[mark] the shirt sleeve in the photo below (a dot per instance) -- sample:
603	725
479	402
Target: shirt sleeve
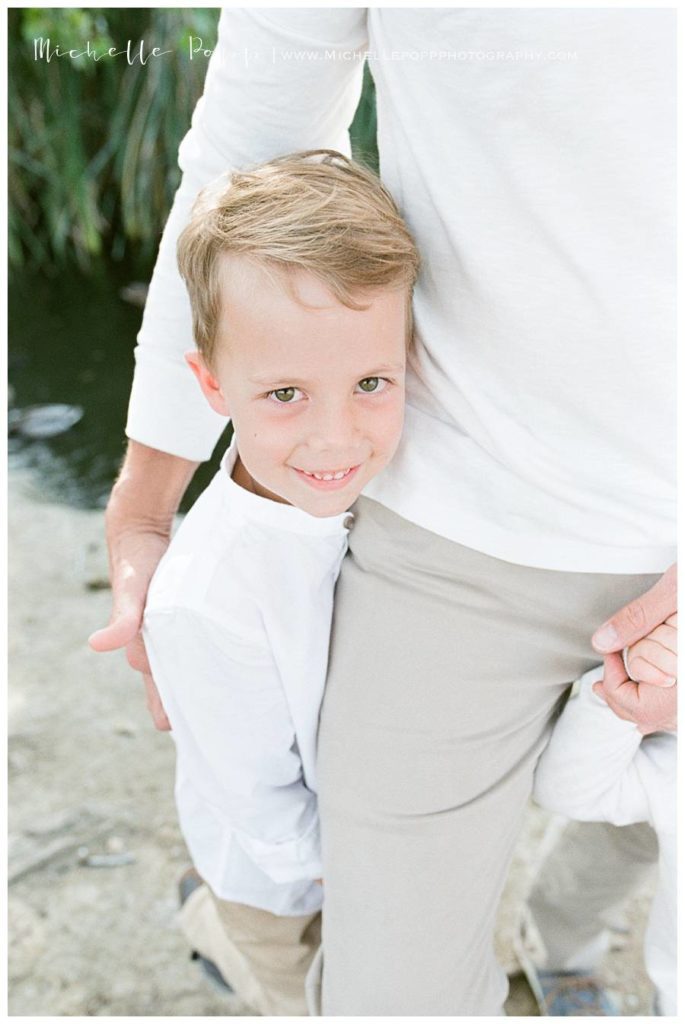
590	769
278	81
235	737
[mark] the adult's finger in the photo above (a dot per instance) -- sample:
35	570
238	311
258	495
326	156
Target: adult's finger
136	655
155	706
598	688
635	620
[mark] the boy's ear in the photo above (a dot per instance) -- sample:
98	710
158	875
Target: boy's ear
208	382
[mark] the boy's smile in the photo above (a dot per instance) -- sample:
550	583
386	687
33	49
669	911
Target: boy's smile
315	389
329	479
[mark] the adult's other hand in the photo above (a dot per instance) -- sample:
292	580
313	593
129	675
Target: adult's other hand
651	704
652	708
637	619
138	521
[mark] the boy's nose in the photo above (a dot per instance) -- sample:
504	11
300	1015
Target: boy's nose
335	431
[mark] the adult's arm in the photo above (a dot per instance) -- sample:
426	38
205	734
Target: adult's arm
279	81
653	706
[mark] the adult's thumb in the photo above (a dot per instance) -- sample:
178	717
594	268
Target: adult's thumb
640	617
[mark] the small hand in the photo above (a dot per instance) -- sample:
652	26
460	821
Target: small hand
654	659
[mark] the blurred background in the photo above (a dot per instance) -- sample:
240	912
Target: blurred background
94	846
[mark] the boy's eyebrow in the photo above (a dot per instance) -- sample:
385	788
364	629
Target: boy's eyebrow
270	381
385	368
267	382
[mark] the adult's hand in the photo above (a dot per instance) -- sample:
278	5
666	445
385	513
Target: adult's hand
640	617
650	702
651	708
138	521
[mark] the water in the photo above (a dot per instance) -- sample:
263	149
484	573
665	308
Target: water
71	340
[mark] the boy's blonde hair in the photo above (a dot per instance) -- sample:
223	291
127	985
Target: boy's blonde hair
315	210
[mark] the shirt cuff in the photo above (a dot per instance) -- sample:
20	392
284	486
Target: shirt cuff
295	860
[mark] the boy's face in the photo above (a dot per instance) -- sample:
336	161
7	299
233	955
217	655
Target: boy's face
315	390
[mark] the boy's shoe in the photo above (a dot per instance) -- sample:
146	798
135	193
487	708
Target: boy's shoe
562	993
187	885
572	994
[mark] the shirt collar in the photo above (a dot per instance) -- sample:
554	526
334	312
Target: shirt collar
274	513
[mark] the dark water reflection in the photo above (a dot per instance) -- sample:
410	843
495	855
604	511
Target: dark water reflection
71	340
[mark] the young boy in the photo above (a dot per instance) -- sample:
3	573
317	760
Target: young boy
599	767
300	275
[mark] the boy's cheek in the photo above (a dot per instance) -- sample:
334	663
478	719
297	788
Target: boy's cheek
394	427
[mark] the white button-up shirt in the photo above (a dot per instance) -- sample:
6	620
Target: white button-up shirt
237	630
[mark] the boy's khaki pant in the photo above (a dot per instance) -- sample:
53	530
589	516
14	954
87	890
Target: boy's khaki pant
578	892
265	958
446	668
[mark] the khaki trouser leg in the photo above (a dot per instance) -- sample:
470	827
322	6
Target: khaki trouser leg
446	667
264	957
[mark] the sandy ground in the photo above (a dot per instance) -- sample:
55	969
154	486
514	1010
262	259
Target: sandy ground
87	770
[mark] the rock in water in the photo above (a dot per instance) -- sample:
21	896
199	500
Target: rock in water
40	421
135	293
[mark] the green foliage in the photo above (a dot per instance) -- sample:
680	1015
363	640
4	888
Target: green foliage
93	143
363	128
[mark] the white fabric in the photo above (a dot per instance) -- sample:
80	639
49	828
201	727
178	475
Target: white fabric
540	189
599	767
236	629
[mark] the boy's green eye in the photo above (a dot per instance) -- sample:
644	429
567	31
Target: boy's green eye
369	384
284	394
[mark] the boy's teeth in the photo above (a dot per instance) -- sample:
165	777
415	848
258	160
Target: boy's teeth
329	476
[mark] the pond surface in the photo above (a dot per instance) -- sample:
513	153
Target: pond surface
71	340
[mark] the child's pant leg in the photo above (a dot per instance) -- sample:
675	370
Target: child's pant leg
264	957
587	875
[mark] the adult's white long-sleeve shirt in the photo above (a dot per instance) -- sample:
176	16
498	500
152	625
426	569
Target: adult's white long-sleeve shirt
532	154
237	628
598	767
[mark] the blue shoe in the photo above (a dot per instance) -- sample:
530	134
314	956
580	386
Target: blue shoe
572	994
560	993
